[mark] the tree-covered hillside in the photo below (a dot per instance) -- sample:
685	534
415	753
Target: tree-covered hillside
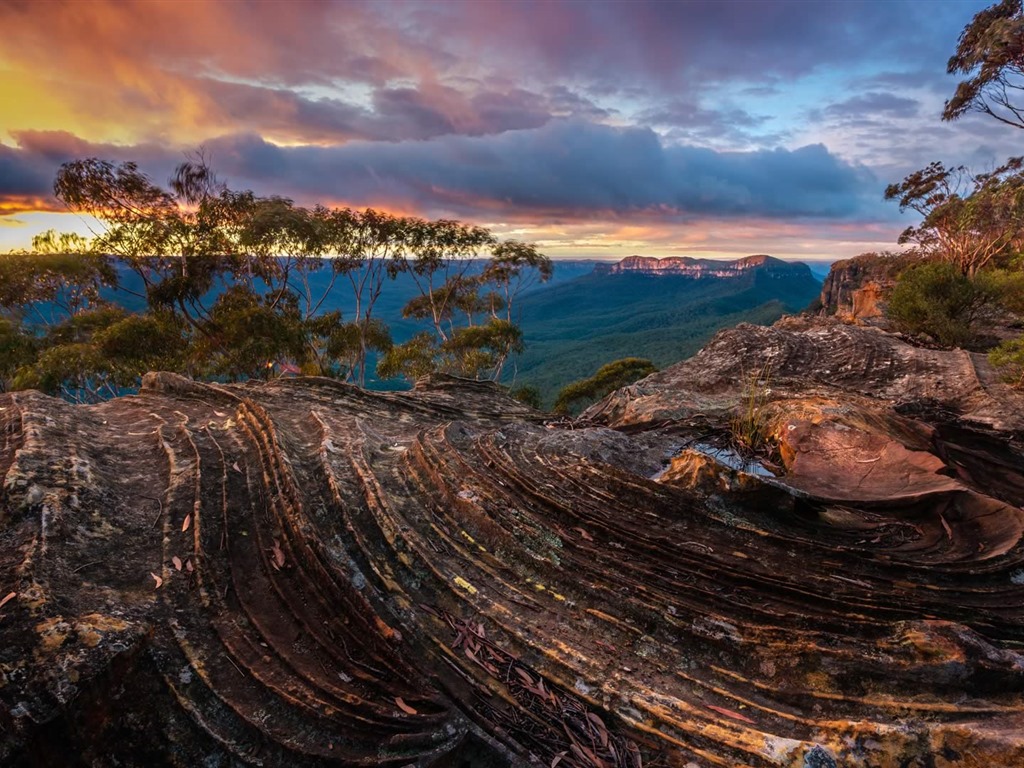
574	328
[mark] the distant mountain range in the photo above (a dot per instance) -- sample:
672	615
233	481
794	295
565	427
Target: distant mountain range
661	309
685	265
591	312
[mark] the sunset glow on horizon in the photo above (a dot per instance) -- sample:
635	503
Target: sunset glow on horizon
597	130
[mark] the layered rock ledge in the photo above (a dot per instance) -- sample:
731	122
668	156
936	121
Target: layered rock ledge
305	573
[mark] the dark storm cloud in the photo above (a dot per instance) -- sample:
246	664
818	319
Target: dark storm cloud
24	174
30	168
574	169
571	168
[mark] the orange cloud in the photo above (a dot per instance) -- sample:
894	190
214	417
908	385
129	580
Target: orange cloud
135	70
15	204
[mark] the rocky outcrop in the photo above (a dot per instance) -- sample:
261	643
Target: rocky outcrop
690	267
856	289
806	358
305	573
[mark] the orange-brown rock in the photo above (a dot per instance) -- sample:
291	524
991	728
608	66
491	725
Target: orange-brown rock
856	289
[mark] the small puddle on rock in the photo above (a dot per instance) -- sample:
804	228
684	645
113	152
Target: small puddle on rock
724	456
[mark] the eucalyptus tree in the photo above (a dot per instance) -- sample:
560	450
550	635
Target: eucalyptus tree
367	249
991	52
208	259
468	283
973	220
441	257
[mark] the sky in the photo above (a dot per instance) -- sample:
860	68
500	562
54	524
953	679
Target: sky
595	128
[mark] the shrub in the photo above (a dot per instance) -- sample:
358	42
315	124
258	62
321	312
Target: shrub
528	395
936	299
608	378
1010	357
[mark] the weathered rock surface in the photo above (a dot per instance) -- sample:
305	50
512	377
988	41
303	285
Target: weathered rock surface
856	289
808	358
303	573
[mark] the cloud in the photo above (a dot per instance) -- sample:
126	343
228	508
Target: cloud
874	104
24	174
687	122
308	70
567	169
692	46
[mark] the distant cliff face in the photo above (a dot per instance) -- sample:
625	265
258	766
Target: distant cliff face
685	265
856	288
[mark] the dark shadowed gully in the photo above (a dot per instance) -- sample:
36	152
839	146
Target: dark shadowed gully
304	573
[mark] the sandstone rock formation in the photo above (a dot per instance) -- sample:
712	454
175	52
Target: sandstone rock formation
856	289
691	267
304	573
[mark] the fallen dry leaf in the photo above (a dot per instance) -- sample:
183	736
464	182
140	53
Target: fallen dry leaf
730	713
177	562
584	534
278	555
601	729
237	468
157	579
405	707
945	525
186	523
6	600
188	566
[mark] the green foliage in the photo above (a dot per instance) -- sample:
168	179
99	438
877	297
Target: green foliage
345	344
231	290
474	351
64	282
936	299
413	359
141	343
1007	285
95	353
1009	356
970	220
53	242
246	334
76	371
572	329
474	334
991	51
18	348
527	395
480	351
607	379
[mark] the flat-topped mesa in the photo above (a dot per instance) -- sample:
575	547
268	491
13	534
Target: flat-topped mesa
304	573
691	267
